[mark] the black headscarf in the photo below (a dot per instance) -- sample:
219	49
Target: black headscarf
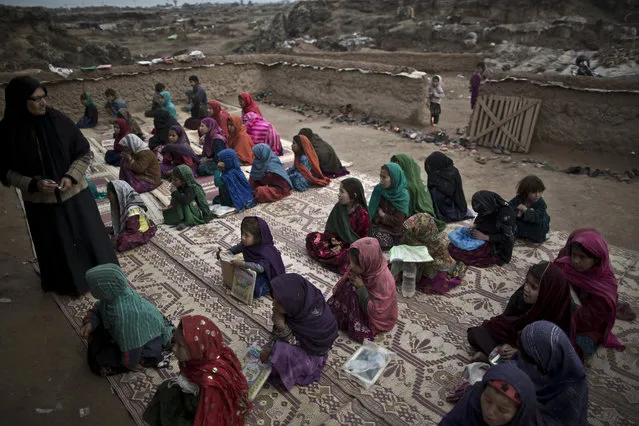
445	177
36	146
329	161
162	122
496	217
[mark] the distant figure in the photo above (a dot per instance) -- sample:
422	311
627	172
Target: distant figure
157	100
475	82
583	67
435	95
197	100
90	117
114	103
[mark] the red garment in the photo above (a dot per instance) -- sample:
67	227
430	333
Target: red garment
314	175
553	304
349	314
124	130
382	293
221	116
240	141
249	104
320	247
596	315
131	237
216	369
271	188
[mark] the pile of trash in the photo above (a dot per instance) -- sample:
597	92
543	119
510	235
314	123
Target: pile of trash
627	176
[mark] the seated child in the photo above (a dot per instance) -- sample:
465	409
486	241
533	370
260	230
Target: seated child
545	295
548	357
505	396
213	141
139	166
113	103
125	332
364	300
268	178
533	221
347	223
261	131
220	115
586	262
239	140
440	275
389	206
162	123
259	252
306	170
131	122
420	201
120	130
446	189
495	224
156	103
234	189
248	104
90	117
177	152
329	162
167	104
210	390
304	330
189	206
131	227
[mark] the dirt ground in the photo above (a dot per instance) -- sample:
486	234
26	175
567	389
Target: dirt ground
44	365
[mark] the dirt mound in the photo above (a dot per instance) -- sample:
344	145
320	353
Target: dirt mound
32	39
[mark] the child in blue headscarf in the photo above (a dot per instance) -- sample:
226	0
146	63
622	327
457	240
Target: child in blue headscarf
235	190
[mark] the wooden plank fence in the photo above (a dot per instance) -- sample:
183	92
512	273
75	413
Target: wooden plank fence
504	122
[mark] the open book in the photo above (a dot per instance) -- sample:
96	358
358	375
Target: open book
255	371
219	210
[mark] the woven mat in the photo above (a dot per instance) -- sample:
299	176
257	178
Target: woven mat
177	271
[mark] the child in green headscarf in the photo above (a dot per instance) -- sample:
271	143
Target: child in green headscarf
420	201
167	104
189	206
389	206
90	117
125	331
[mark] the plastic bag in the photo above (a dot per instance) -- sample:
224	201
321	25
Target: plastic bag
474	372
462	239
368	363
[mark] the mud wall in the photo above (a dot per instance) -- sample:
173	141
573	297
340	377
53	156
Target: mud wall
379	93
585	116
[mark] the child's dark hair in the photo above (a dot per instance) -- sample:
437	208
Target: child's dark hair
111	190
352	188
354	255
586	252
252	226
110	92
159	87
538	270
436	78
529	185
84	96
481	65
194	78
385	167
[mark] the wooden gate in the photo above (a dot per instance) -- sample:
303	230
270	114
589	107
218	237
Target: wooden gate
504	122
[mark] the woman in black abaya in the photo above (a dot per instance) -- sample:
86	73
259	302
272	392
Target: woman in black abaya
45	155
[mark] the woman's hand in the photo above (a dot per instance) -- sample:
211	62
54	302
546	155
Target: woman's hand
47	185
86	330
507	352
522	208
380	212
237	262
475	233
357	281
65	184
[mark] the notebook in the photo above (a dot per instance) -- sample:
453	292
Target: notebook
243	284
256	372
219	210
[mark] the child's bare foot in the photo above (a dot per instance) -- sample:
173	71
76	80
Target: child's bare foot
479	357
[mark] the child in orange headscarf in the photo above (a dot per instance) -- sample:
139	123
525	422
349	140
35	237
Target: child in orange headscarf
239	140
306	170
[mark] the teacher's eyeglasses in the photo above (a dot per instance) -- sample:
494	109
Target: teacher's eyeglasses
38	98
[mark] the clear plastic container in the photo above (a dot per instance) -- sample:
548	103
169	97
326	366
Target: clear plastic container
409	271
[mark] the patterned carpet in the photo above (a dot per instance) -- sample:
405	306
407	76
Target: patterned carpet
178	272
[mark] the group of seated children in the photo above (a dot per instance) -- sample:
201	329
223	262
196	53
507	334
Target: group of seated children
561	314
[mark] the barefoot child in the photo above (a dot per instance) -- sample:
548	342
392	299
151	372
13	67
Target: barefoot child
210	390
125	331
260	254
533	221
435	95
304	330
189	206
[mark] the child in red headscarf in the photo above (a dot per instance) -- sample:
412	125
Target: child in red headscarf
210	390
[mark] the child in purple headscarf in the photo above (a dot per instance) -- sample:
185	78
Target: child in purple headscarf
260	254
304	330
213	141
